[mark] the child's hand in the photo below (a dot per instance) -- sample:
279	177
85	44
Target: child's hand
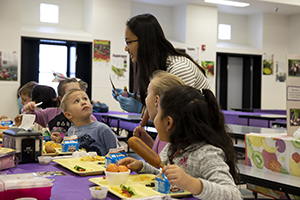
141	133
29	107
182	180
56	137
131	163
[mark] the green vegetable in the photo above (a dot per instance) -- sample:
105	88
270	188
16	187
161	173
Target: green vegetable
78	168
129	189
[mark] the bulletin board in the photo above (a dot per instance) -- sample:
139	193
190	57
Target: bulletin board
293	93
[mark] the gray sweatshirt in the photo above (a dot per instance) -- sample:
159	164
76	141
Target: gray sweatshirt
208	165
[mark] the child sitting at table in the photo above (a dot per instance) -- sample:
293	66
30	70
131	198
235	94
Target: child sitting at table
92	135
24	96
199	157
49	100
53	118
159	81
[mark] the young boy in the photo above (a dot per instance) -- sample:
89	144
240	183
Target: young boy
92	135
24	96
53	118
25	92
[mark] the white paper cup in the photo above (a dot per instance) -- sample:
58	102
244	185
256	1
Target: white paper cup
99	194
117	178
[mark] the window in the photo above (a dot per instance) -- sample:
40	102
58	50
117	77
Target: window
53	57
224	32
40	56
49	13
49	65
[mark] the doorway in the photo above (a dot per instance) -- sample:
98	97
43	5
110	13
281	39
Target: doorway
238	84
36	62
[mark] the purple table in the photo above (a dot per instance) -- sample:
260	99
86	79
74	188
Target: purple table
114	122
232	117
274	112
71	186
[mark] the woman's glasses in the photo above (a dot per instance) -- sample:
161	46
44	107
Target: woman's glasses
127	43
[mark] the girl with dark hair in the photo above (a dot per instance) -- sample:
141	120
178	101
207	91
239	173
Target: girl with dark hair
45	94
199	156
150	50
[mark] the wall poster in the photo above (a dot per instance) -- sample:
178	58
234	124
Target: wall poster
101	53
268	64
8	66
119	66
209	67
293	93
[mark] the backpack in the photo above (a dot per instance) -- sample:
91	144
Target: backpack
100	107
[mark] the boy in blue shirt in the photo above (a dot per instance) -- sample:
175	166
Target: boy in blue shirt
92	135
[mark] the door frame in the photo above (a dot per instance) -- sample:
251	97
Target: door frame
252	75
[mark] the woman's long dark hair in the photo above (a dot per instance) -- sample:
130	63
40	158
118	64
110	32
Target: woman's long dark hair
153	50
197	118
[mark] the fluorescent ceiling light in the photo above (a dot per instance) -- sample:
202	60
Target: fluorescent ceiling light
228	3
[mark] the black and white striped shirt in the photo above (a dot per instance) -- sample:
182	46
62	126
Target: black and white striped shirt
185	69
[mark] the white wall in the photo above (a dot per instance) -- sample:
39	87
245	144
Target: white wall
275	41
266	34
109	18
201	31
293	35
164	15
70	13
10	23
255	31
179	23
239	29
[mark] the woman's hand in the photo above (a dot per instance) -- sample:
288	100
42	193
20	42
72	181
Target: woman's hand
132	164
182	180
120	91
56	137
141	133
130	104
29	107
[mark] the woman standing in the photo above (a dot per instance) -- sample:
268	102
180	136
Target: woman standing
150	50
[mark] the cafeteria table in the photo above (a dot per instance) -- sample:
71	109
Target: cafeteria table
287	184
128	125
70	186
268	117
239	131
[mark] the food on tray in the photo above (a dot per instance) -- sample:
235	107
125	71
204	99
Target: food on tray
97	188
143	178
143	150
4	127
115	168
122	168
53	144
150	184
112	167
92	158
78	168
49	149
125	191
